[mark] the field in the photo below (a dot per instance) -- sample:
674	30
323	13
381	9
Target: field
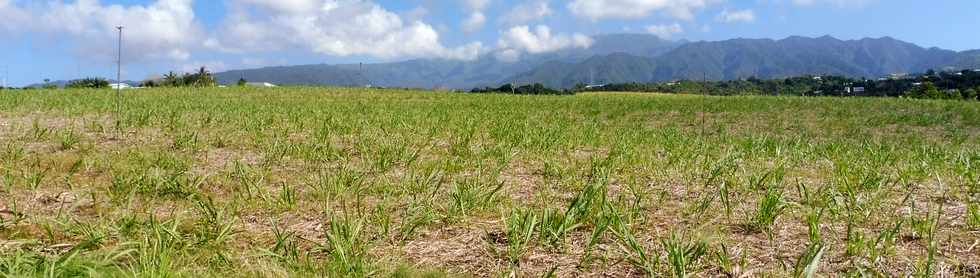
287	182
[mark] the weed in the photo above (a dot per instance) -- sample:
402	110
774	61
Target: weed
287	197
519	232
636	252
682	255
808	263
34	179
973	216
39	132
68	140
728	263
346	246
771	206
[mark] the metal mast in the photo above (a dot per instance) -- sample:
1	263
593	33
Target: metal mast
119	70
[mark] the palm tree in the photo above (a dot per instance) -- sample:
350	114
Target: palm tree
171	80
204	78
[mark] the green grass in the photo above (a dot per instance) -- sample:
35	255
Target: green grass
394	183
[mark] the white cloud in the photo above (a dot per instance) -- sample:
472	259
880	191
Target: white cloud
333	27
521	39
12	15
286	6
527	12
475	22
508	55
736	16
164	29
665	31
476	5
838	3
600	9
416	14
260	62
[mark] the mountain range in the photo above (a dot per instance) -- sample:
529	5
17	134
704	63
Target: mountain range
617	58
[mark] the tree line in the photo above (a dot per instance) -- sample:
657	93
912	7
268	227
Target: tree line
201	78
930	85
530	89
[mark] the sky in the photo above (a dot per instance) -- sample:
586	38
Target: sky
69	39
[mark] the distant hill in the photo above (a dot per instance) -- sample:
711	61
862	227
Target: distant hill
619	58
612	68
761	58
742	58
967	60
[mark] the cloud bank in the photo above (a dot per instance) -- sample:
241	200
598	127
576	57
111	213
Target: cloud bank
521	39
603	9
338	28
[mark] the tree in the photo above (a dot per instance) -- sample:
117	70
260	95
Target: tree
171	80
925	91
970	94
952	94
149	84
91	83
203	78
48	85
506	88
242	82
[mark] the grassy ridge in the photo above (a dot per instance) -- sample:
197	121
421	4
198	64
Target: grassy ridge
331	182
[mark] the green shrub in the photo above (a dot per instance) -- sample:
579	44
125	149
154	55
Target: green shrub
970	94
925	91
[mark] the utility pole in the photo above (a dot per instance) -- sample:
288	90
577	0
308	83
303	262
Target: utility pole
704	100
6	71
119	71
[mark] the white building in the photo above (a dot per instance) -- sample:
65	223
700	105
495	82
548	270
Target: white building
260	84
122	86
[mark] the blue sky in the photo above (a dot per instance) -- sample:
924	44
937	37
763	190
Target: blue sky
67	39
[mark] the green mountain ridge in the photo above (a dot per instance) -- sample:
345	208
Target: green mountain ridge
618	58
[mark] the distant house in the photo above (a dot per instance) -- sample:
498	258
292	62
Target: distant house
260	84
818	78
600	86
897	76
121	86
